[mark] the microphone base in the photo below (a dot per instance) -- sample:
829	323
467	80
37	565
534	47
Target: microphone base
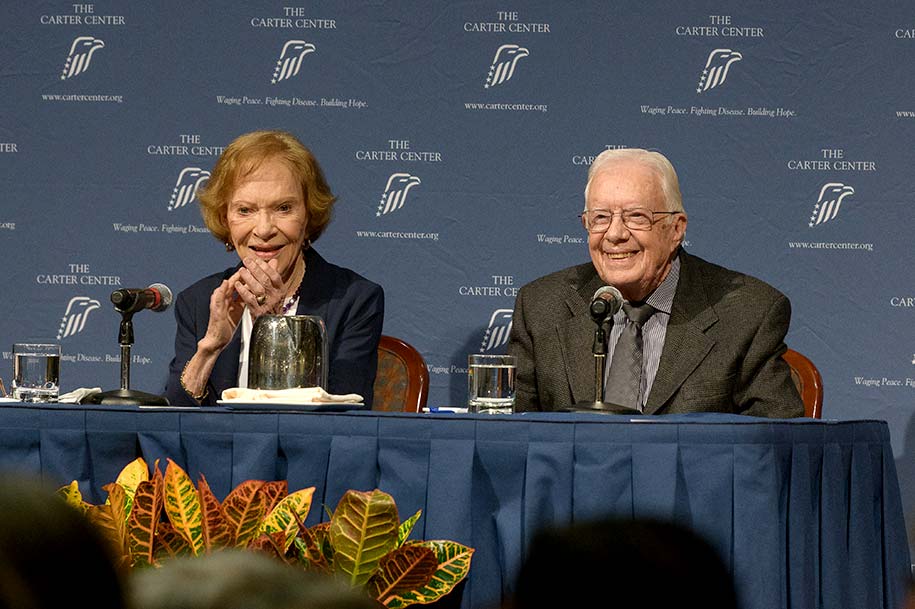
601	408
125	396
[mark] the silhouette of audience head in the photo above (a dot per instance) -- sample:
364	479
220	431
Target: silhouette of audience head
51	556
622	563
239	579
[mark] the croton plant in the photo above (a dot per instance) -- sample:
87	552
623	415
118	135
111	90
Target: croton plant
150	518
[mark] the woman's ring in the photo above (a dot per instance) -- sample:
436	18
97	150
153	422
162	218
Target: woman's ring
261	299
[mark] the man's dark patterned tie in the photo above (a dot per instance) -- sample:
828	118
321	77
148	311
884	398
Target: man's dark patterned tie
624	377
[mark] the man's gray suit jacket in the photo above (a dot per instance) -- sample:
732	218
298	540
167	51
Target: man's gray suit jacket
722	351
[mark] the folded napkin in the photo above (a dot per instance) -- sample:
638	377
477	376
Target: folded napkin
301	395
75	396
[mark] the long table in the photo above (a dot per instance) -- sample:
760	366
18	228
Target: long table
805	513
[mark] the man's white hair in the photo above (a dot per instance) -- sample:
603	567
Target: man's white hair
670	184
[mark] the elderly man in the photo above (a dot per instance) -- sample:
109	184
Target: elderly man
691	337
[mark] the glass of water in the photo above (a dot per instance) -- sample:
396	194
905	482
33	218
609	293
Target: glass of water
491	383
36	372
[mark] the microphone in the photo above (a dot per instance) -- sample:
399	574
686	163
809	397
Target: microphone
606	301
157	297
128	301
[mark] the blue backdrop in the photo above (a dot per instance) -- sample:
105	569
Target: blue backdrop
458	137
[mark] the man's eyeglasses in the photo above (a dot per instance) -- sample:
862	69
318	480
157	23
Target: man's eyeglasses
599	220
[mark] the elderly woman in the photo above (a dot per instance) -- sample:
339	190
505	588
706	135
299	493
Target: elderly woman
268	201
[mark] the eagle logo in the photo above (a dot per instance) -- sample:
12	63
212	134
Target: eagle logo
496	335
290	59
81	52
827	206
716	68
503	64
395	193
189	180
74	319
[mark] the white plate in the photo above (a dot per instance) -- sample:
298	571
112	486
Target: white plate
302	407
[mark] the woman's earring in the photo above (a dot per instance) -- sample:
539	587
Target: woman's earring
229	246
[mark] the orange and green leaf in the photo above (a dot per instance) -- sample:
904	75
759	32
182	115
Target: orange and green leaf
453	566
406	569
169	542
321	533
271	544
274	492
112	531
363	529
245	508
131	476
311	545
72	497
215	528
182	505
120	512
143	519
104	521
283	517
406	527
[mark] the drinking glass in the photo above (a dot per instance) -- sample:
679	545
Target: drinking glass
36	372
491	383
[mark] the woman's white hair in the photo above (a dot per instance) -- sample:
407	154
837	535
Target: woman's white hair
670	184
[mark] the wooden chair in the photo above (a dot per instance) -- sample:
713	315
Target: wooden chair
402	381
809	384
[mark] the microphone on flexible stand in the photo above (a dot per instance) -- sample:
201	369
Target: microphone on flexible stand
605	303
156	297
127	301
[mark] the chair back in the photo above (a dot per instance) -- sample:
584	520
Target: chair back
402	380
809	384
